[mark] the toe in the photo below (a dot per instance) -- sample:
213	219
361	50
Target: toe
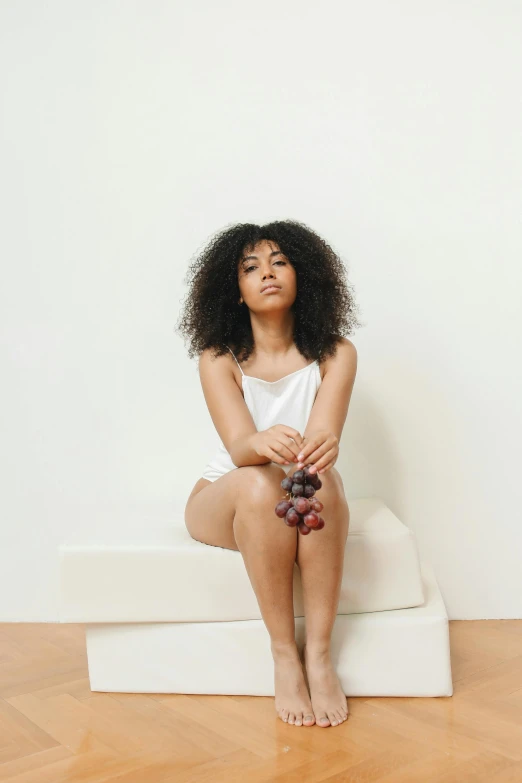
322	720
299	719
291	718
333	718
284	715
308	720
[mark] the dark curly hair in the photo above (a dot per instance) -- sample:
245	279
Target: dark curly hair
324	307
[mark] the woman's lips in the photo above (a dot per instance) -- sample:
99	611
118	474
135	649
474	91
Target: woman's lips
271	290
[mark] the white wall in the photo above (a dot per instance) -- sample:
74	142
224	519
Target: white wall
131	132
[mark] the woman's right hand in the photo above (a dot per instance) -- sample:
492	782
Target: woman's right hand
279	443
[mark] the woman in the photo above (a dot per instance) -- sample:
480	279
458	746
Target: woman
277	294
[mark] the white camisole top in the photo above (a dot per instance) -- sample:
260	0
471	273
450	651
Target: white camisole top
286	401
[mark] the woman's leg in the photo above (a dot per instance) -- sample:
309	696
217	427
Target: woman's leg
243	518
320	557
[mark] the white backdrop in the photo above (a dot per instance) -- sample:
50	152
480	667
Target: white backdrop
131	132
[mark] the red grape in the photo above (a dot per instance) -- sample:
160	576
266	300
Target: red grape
292	518
287	483
301	509
302	505
282	507
311	519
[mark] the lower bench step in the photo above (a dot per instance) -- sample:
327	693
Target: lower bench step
399	652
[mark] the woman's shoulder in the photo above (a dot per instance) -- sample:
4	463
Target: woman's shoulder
214	367
346	345
344	357
208	360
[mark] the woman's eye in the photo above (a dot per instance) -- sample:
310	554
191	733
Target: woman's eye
253	267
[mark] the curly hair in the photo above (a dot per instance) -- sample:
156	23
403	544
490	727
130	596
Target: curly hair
324	307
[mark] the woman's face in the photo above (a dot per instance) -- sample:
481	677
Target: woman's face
263	265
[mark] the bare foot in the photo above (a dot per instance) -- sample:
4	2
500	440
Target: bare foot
328	700
292	700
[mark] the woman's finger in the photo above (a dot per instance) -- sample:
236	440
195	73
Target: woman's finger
325	460
316	455
276	457
286	451
305	451
294	434
327	467
294	448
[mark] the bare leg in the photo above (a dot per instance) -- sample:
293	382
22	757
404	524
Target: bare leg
320	558
269	551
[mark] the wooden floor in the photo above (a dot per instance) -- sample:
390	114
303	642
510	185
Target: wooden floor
54	729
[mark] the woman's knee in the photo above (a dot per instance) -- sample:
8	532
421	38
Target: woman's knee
260	484
332	489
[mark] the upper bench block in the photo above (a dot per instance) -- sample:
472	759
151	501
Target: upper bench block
164	575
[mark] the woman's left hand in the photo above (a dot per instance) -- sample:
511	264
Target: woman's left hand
320	451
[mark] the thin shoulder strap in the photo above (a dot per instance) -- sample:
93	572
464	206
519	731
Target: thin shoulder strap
242	373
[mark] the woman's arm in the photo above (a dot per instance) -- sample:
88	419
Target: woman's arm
228	410
330	408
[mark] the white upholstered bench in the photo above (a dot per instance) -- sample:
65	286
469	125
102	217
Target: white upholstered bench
167	614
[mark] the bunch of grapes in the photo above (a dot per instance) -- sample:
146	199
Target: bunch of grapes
302	509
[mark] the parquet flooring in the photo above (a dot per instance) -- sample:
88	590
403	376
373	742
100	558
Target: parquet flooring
54	729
